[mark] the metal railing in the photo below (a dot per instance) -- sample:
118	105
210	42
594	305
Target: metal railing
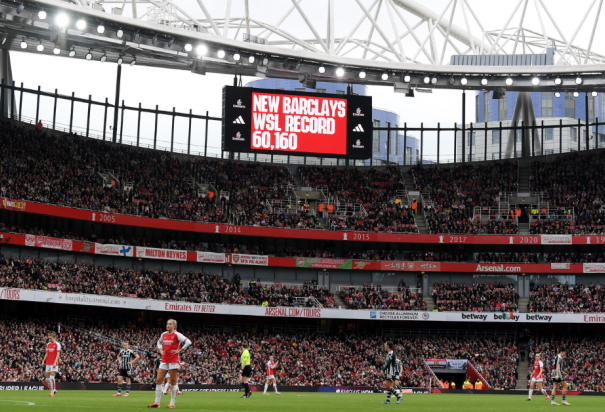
575	135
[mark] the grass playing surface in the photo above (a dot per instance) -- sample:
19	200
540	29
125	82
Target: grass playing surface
92	401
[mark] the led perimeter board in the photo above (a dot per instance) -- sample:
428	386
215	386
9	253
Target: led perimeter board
296	123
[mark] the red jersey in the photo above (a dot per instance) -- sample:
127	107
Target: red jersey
270	366
538	365
169	342
52	351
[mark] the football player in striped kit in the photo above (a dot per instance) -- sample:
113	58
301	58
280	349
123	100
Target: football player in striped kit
390	371
558	379
126	358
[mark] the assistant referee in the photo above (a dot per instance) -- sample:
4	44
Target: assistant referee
246	370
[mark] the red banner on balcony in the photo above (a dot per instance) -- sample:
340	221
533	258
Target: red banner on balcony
18	205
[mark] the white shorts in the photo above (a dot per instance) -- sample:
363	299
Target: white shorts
270	377
50	368
537	379
170	366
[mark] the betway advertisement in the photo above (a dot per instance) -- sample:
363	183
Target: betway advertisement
27	295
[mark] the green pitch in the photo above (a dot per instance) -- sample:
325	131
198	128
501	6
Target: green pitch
92	401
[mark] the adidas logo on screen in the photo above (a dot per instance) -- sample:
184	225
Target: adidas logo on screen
239	120
358	128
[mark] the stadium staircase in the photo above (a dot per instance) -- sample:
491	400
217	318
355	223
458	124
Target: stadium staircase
524	172
523	302
410	185
339	302
522	372
430	303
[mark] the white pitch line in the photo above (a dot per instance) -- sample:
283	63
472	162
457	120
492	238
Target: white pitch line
28	403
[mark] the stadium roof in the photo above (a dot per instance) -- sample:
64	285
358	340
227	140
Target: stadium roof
150	44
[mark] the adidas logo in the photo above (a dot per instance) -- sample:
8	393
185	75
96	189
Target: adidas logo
239	120
358	128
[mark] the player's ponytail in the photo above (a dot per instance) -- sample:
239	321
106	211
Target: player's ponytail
392	347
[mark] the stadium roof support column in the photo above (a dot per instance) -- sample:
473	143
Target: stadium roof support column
117	105
6	73
524	110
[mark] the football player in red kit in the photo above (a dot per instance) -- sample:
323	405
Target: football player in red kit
169	346
51	360
271	376
537	378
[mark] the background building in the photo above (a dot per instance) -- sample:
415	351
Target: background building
381	118
556	120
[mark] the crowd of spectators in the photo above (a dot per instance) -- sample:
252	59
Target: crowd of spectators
438	256
478	297
378	191
377	297
455	191
574	257
507	257
572	183
89	354
584	359
194	287
39	167
564	298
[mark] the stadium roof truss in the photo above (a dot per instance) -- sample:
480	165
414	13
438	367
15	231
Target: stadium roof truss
393	42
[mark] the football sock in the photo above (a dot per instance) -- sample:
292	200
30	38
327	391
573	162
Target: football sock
166	387
247	388
552	398
52	382
158	393
120	388
544	392
275	387
531	392
175	389
127	388
563	398
389	393
266	386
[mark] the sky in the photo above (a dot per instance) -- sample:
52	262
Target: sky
186	91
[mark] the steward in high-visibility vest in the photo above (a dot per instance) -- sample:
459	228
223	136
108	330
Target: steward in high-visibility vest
330	209
478	385
414	205
321	207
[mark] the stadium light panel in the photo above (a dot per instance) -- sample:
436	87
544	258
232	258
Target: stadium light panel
385	76
594	94
57	50
20	8
171	41
40	47
362	74
220	54
321	69
100	29
484	81
72	52
89	56
236	57
340	72
407	78
251	59
463	81
201	50
120	33
42	15
4	37
557	94
579	80
558	81
120	60
188	47
427	79
23	44
62	20
104	58
133	62
81	24
509	81
535	81
434	80
576	94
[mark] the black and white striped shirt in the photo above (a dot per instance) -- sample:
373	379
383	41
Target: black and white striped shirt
126	356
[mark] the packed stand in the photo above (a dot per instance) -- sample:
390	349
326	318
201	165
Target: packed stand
438	256
478	297
346	359
507	257
379	192
574	257
455	191
573	184
558	298
583	360
64	171
376	297
194	287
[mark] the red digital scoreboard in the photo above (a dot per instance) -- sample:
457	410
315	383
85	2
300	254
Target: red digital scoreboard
296	123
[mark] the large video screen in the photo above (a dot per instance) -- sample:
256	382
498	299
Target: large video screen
296	123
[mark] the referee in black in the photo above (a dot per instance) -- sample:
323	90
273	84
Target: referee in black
246	370
126	358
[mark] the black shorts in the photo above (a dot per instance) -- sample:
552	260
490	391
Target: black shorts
391	377
247	371
125	373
